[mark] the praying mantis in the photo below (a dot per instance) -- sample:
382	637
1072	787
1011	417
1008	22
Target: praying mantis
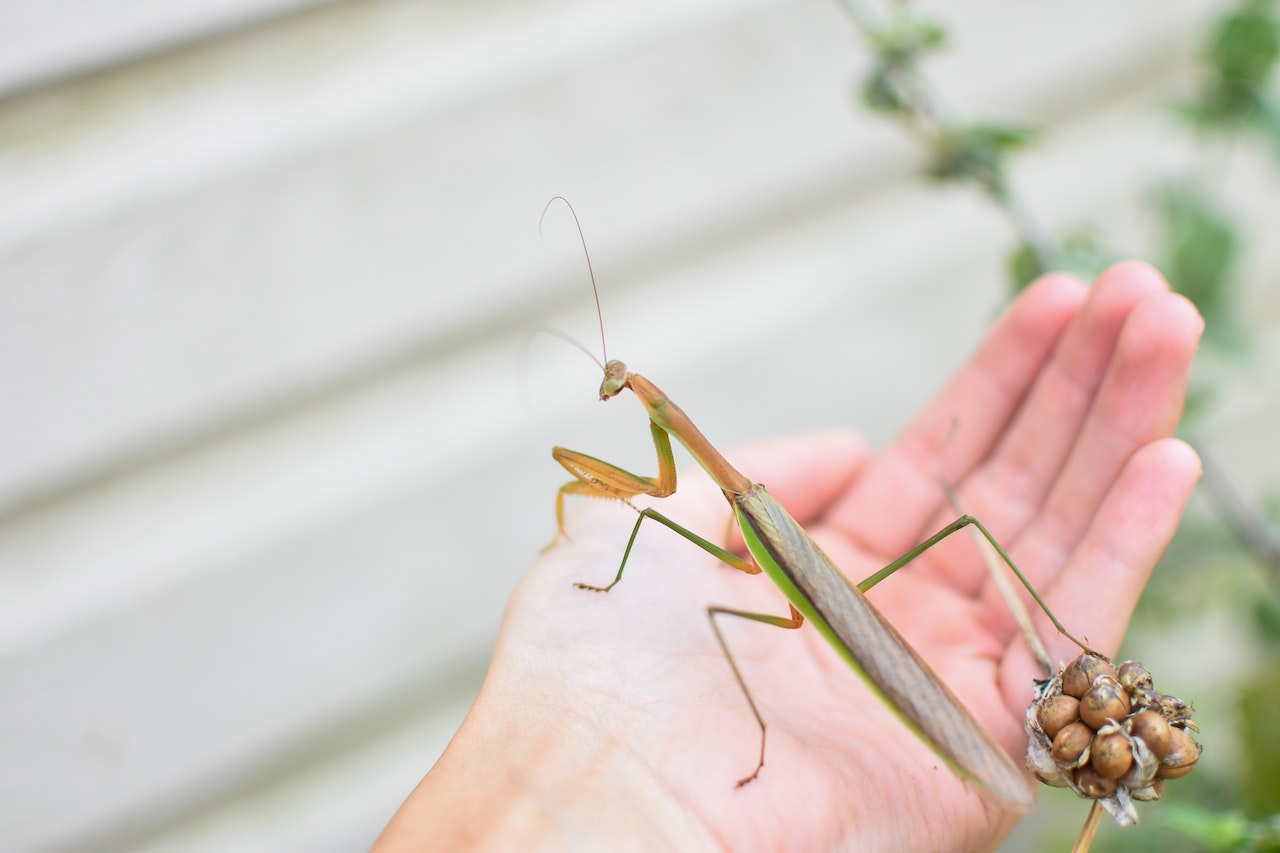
816	589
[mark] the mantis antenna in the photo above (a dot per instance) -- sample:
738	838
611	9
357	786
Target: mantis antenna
604	350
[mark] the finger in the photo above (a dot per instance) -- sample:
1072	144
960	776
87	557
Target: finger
1128	352
1099	586
1013	483
1137	402
1140	401
898	494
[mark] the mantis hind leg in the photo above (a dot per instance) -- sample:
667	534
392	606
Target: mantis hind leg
962	522
795	620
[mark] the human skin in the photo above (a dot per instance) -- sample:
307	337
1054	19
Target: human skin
613	722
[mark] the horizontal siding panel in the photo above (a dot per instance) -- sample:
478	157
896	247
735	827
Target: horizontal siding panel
49	40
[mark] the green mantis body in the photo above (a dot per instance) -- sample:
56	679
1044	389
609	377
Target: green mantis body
814	586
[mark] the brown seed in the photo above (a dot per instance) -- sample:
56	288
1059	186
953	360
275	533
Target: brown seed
1110	754
1080	674
1168	772
1133	676
1074	680
1057	711
1106	700
1071	742
1094	784
1184	752
1154	731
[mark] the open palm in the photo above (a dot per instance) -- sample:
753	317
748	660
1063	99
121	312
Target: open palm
1062	448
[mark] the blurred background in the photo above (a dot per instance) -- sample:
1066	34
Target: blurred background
274	439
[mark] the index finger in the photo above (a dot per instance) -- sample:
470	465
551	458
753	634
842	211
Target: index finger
898	496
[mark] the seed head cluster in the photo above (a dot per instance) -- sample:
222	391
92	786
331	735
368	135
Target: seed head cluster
1105	732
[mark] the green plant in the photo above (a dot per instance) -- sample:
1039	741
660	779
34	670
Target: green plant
1232	554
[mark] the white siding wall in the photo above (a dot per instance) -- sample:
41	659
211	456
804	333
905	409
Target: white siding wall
272	449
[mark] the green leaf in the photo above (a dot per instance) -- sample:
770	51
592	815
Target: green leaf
1247	43
1081	252
1216	830
1241	56
1084	253
1024	266
977	152
1266	614
1260	734
906	38
899	46
1200	247
880	91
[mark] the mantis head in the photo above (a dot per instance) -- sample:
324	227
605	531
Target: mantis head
615	379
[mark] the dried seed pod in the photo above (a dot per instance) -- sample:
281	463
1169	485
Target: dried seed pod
1041	764
1071	745
1154	791
1154	731
1080	674
1175	710
1057	711
1110	754
1105	700
1145	764
1093	784
1133	676
1145	697
1122	742
1184	752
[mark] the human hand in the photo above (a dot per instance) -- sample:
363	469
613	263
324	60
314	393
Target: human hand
609	720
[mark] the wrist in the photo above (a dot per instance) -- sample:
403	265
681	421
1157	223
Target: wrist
520	779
